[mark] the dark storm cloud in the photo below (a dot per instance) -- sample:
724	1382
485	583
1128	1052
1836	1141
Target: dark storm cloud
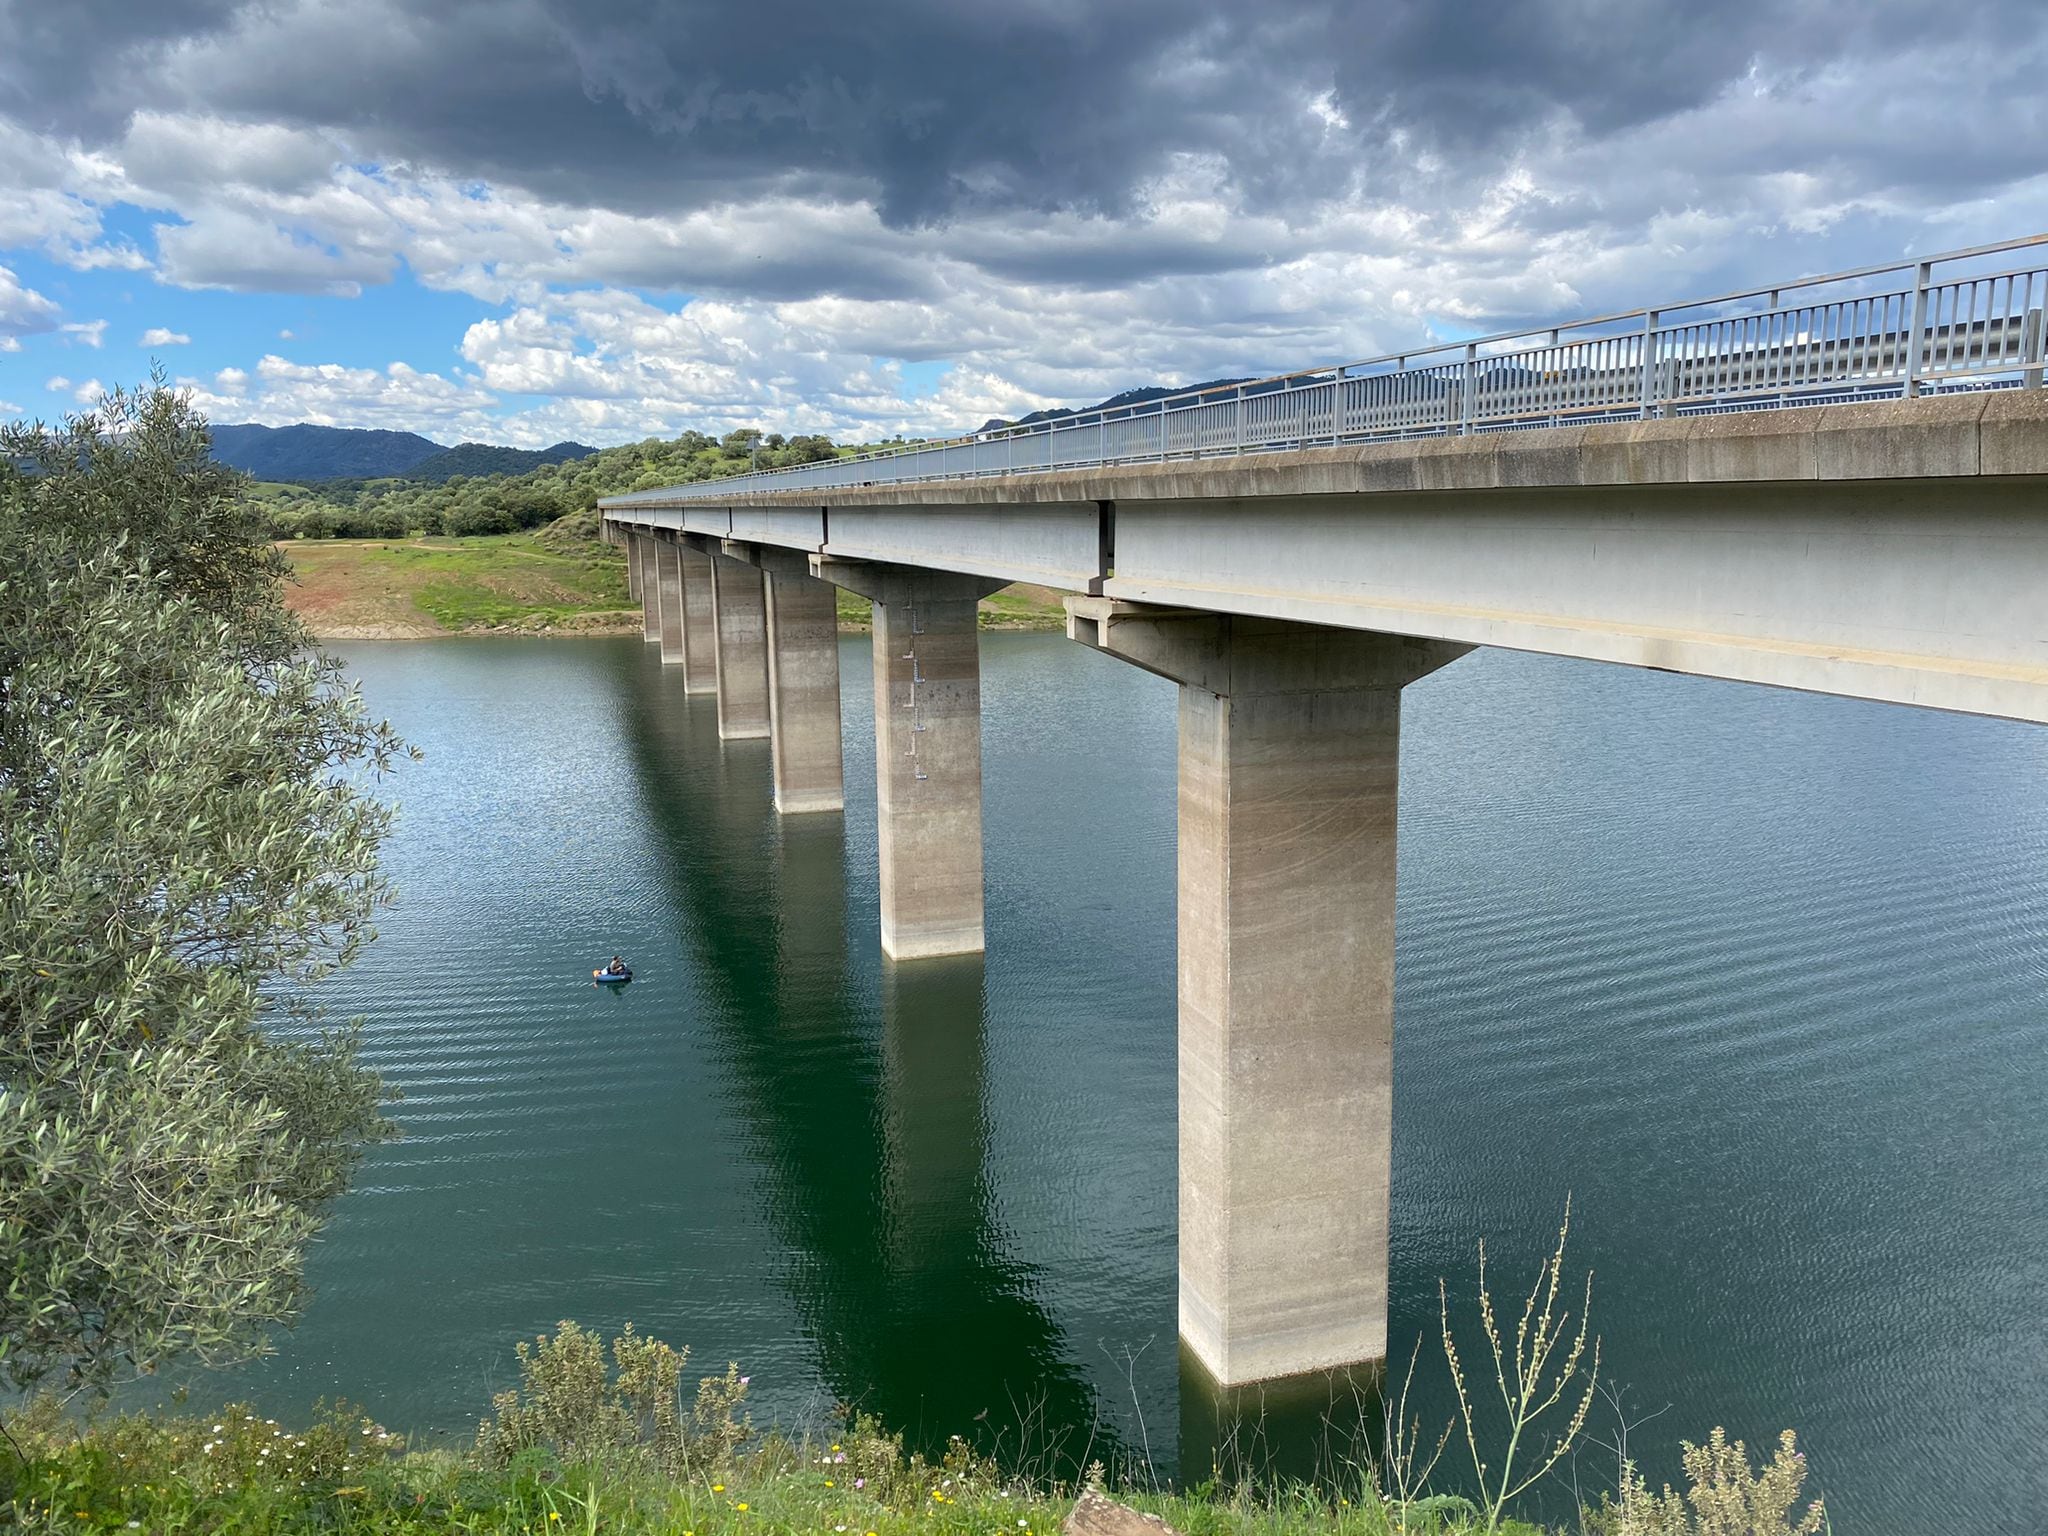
928	110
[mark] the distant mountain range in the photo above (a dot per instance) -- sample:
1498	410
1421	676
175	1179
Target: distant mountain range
307	452
1143	396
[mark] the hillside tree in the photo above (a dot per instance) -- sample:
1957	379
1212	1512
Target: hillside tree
187	840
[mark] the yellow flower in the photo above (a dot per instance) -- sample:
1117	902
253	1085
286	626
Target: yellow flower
718	1487
553	1516
828	1482
742	1508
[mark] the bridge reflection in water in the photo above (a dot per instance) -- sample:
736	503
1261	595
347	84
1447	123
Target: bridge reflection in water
867	1114
866	1107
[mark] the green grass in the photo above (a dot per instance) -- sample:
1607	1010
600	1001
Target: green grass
458	583
234	1472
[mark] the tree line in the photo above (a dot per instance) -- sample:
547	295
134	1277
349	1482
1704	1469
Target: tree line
466	505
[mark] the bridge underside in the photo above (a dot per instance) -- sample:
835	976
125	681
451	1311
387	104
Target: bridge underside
1896	552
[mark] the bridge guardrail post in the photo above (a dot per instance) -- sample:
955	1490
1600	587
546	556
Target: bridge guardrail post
1916	312
1468	388
2031	349
1646	405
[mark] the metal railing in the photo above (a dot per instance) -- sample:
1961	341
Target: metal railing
1957	321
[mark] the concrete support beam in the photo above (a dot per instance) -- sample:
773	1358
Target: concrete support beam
650	587
740	622
803	680
668	574
1289	758
700	620
927	753
632	542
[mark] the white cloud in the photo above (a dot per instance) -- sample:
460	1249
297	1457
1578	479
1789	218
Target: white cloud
23	311
56	383
159	336
90	333
798	303
9	408
89	392
281	392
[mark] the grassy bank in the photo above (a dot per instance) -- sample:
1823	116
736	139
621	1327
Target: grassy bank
595	1439
232	1471
400	589
415	588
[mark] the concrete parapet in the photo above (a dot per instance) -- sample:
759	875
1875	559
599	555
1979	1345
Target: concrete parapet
1739	446
1289	759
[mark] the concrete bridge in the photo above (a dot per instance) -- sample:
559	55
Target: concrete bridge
1885	548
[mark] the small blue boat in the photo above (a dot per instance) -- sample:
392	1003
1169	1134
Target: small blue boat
603	977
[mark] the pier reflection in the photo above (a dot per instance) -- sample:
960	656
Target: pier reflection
1327	1428
862	1088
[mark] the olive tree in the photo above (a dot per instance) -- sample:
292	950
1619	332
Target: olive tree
186	841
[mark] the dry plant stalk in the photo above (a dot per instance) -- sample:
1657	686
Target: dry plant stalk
1530	1384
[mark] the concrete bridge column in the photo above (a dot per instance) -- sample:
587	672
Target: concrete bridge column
927	753
700	621
740	626
668	572
650	588
803	680
632	543
1289	759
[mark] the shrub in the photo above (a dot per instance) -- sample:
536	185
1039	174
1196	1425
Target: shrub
570	1403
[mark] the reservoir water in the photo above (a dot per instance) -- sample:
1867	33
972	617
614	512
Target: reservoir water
1760	979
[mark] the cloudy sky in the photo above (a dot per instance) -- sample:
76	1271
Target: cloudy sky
524	220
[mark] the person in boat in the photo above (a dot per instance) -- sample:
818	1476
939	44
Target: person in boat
616	968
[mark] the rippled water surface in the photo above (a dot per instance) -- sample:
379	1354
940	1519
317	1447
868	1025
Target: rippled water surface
1760	979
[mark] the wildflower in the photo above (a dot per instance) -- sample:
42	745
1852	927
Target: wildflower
718	1487
745	1379
860	1482
1023	1522
835	1447
828	1482
741	1507
554	1515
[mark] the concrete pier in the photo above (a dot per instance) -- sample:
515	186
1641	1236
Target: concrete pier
668	572
645	547
803	684
927	753
740	621
700	622
1289	758
632	542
